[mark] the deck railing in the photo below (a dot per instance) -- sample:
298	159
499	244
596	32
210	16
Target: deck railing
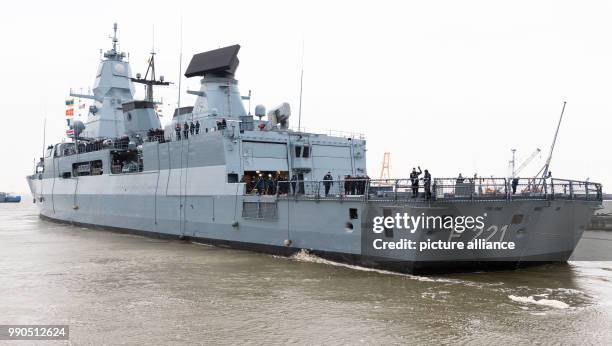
452	189
331	133
87	147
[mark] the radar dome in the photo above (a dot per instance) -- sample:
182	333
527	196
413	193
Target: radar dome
260	111
78	127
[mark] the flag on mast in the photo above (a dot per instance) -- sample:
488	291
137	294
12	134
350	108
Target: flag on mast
69	112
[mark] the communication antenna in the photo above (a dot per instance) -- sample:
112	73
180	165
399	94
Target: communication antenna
115	37
150	80
301	88
44	136
552	147
180	75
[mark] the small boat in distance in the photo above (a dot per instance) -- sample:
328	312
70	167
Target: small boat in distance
9	198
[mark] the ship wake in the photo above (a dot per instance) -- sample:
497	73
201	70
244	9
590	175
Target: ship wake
552	303
305	256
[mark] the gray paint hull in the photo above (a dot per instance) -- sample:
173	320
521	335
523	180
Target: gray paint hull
549	231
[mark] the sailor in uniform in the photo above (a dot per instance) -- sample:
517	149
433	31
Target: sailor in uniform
327	182
414	179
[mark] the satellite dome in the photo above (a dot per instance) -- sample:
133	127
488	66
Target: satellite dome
260	111
78	127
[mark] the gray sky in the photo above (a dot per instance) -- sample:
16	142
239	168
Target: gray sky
448	85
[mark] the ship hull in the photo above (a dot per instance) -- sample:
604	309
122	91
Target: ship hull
548	232
406	267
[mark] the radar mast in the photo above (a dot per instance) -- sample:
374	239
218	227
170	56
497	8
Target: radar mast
152	80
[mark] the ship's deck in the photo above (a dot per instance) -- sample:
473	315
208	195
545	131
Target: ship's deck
442	189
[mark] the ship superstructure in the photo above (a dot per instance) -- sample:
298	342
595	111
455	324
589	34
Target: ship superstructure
112	87
226	177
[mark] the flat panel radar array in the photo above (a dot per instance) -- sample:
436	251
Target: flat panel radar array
221	62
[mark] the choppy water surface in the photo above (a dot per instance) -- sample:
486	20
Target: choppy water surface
114	288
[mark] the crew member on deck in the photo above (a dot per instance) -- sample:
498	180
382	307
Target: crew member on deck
327	182
191	128
347	184
460	179
427	184
177	128
414	179
293	183
360	185
186	130
260	185
515	182
197	127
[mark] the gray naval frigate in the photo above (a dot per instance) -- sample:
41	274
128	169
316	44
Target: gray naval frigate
252	182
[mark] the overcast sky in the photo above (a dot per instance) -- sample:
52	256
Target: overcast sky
448	85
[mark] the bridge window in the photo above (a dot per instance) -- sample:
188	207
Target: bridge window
302	151
232	178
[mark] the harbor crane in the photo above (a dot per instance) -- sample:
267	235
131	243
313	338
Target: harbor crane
516	171
385	170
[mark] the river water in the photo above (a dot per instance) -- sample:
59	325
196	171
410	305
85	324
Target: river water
123	289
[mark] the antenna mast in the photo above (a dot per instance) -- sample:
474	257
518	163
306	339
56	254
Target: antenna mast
44	136
149	83
115	37
552	147
301	88
180	67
